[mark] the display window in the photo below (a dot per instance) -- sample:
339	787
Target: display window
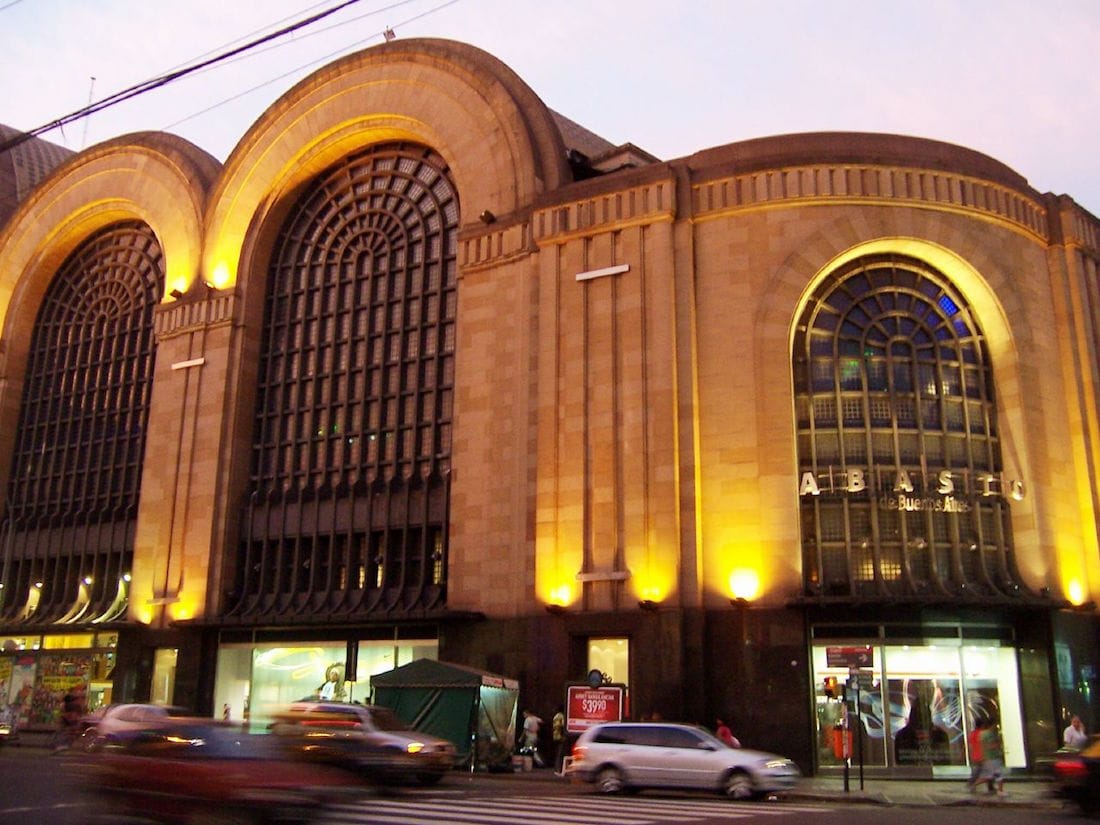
255	681
917	704
37	671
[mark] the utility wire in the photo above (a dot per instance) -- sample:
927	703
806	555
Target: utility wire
164	79
323	59
315	32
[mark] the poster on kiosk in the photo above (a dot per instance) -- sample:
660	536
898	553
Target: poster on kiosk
593	704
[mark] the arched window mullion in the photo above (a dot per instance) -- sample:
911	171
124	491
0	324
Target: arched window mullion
367	227
896	300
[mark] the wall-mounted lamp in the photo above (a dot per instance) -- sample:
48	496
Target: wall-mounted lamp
487	217
210	285
175	293
648	604
740	602
555	608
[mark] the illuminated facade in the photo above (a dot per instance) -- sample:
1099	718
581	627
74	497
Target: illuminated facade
425	369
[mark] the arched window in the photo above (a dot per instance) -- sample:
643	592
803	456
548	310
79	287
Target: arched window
902	492
68	528
347	512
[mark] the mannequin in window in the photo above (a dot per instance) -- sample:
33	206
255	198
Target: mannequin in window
333	688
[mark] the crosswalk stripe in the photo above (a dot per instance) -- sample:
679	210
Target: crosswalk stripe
550	810
482	814
650	803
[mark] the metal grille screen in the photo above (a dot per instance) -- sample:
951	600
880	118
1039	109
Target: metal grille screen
902	492
72	496
347	513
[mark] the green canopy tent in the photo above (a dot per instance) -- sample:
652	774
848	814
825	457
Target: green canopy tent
457	703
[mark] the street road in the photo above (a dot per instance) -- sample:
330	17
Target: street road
36	787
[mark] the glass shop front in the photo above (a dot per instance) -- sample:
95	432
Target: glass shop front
917	701
255	679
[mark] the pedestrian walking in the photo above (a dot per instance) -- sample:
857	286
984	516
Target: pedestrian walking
974	741
531	726
993	759
723	732
558	731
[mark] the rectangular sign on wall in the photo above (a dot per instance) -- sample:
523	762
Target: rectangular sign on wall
588	706
857	657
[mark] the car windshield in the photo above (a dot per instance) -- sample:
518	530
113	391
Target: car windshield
386	719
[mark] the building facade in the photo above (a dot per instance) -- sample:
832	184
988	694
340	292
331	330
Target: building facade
425	369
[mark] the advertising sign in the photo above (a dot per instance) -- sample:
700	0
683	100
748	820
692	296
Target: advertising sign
588	706
850	657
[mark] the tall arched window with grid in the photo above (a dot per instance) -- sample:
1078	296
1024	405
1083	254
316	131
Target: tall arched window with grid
902	491
68	528
347	512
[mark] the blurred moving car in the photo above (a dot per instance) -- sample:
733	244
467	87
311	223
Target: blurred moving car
619	756
1077	776
108	723
367	738
210	772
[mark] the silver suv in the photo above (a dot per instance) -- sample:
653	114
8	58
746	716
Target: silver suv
633	755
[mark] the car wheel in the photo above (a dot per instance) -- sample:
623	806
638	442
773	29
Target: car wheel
609	780
429	778
738	785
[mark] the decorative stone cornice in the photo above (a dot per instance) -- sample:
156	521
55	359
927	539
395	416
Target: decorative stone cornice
1082	230
651	202
497	246
850	183
190	314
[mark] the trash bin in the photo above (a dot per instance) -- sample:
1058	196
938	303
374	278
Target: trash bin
838	742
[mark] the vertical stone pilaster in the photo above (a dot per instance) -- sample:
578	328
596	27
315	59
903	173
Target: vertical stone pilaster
179	508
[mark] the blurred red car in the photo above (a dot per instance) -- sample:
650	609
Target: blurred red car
212	773
367	739
1077	777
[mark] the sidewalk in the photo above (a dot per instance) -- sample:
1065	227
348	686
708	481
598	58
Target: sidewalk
1021	792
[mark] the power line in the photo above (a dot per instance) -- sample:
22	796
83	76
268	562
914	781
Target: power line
162	80
315	32
323	59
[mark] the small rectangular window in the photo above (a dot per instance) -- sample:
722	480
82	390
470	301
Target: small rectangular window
610	656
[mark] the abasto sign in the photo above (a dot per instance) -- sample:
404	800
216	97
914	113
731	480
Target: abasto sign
946	491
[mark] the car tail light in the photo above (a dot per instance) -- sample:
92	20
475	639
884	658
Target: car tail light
578	753
1070	769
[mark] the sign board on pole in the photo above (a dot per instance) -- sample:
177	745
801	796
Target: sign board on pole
860	656
588	706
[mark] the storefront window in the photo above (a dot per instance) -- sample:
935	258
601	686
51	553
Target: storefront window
164	675
255	681
612	657
37	671
918	703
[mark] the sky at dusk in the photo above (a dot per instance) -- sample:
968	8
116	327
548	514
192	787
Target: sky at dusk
1016	79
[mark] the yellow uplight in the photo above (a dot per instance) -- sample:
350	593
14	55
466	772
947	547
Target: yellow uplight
1075	591
561	595
744	583
178	284
652	584
220	277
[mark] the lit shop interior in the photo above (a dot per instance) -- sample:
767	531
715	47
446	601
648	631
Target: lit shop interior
918	703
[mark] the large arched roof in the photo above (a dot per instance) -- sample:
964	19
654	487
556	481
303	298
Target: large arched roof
502	144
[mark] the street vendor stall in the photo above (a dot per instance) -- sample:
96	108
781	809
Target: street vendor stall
473	709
